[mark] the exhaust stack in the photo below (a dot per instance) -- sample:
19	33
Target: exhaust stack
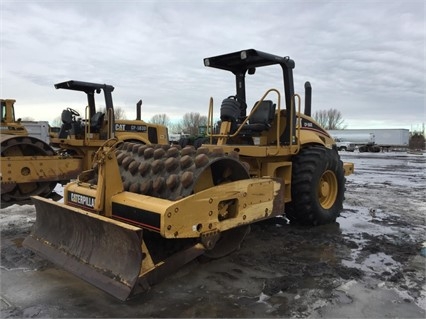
138	110
308	98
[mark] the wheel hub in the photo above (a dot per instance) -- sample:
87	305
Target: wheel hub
325	188
328	189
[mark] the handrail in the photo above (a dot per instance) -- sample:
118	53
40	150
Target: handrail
87	125
298	121
210	120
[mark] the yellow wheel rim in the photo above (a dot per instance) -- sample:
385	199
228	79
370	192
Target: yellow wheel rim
328	188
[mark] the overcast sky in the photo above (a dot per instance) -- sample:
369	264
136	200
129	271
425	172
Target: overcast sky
364	58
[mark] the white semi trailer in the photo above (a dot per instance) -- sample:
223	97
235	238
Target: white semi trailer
38	129
371	140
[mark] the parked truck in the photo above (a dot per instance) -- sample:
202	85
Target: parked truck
352	141
370	140
389	139
38	129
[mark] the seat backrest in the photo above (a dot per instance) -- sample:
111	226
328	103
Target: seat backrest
264	113
66	117
96	122
230	110
67	120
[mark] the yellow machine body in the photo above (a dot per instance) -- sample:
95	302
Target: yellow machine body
30	166
142	211
99	231
8	123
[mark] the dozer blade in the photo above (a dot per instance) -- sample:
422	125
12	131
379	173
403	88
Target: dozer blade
100	250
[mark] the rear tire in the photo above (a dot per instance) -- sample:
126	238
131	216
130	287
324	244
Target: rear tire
318	187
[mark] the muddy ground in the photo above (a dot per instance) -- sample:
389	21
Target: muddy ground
367	265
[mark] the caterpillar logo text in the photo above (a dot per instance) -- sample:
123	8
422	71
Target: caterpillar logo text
81	200
130	128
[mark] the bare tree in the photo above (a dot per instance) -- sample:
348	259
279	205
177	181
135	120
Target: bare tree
191	122
56	122
330	119
176	127
417	141
321	117
27	118
119	113
161	119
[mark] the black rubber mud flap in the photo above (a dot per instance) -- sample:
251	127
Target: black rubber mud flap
100	250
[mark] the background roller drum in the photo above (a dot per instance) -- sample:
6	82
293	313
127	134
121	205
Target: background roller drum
318	186
12	146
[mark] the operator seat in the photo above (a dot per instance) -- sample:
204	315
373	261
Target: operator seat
261	119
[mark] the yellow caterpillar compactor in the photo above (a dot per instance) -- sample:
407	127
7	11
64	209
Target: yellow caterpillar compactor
30	166
142	211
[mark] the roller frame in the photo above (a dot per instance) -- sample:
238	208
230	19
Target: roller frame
93	209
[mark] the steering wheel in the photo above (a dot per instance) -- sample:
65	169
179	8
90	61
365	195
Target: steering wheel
73	112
